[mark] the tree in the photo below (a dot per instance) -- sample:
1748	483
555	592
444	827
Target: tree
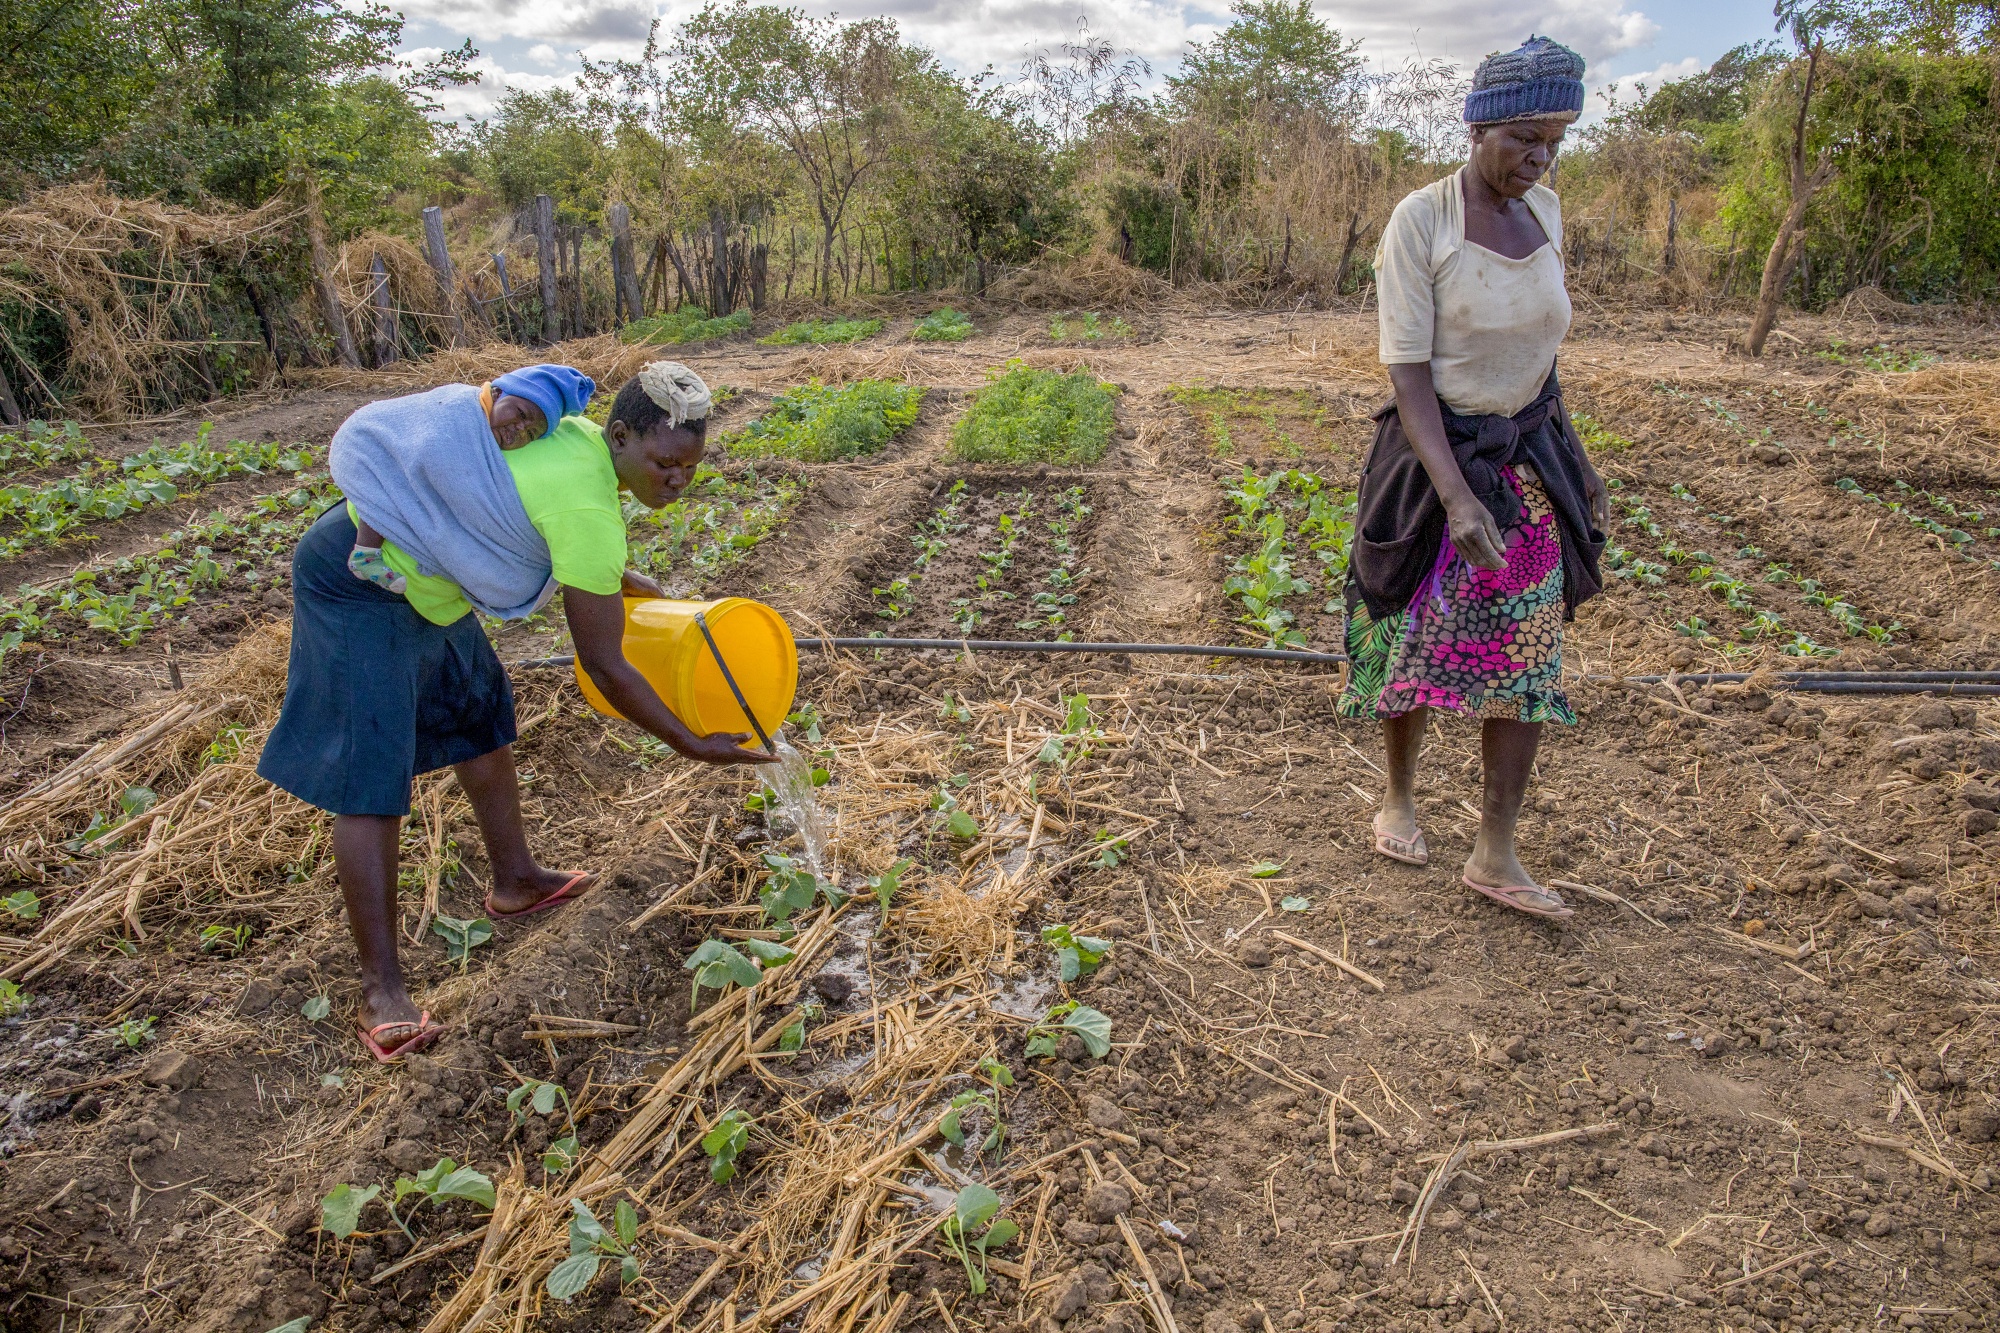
1789	243
1276	60
820	88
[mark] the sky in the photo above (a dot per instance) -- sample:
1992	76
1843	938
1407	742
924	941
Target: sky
535	44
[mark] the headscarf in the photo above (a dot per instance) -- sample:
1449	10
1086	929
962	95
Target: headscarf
1538	80
675	390
560	391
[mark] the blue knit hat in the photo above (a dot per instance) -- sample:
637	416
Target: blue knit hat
1539	80
559	391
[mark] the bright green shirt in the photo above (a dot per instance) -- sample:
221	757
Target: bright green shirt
570	491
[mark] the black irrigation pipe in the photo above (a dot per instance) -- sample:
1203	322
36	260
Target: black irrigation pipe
1977	683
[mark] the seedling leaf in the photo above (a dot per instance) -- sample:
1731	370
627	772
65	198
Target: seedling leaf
316	1008
1294	903
572	1275
340	1210
962	825
1266	869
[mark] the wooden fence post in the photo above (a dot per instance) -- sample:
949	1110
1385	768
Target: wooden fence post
10	411
385	314
545	257
441	265
506	295
624	270
329	296
579	316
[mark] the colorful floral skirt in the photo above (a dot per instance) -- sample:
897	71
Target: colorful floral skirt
1482	641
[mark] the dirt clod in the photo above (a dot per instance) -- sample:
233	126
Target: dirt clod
1106	1202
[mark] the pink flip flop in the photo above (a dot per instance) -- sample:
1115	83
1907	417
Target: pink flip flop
567	893
1410	851
1510	895
426	1033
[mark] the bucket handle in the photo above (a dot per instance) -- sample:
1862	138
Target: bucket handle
701	621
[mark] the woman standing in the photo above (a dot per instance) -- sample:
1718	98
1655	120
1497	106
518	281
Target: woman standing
1479	520
384	685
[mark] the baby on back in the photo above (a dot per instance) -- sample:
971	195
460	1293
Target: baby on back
521	407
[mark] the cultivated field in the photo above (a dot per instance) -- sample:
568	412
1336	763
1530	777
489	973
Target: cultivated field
1750	1086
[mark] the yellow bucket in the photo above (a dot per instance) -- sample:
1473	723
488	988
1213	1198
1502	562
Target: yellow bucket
665	645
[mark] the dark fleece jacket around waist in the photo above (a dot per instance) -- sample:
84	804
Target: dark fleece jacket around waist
1399	522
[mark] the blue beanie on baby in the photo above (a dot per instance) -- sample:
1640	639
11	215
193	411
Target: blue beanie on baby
1539	80
559	391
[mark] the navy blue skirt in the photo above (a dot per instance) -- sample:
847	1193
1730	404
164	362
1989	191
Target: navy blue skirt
376	694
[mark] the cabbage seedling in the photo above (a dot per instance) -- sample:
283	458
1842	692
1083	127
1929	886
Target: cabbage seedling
791	889
340	1210
725	1142
461	937
974	1208
440	1184
1091	1026
232	938
590	1244
22	906
716	964
542	1097
316	1008
888	882
1078	955
12	1000
135	1032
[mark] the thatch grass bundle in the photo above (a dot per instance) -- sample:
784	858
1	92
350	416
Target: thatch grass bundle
116	272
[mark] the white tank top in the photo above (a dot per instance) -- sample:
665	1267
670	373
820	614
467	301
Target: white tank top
1489	325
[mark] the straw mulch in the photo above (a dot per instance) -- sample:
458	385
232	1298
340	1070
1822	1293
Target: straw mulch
1960	398
852	1192
71	250
212	840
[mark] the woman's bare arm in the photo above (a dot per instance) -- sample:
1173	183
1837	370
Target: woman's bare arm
597	625
1474	534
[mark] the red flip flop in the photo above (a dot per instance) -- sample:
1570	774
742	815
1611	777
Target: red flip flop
567	893
1510	895
426	1033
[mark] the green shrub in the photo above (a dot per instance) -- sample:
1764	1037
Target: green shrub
1029	415
823	331
689	324
822	424
944	326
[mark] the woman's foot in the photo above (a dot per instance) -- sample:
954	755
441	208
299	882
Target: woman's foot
1499	875
390	1024
1398	838
540	888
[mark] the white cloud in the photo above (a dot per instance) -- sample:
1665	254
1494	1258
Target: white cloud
972	34
476	101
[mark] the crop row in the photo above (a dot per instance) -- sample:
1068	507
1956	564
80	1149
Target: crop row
131	596
692	324
1281	512
716	522
932	539
1279	415
39	445
821	423
1710	574
154	476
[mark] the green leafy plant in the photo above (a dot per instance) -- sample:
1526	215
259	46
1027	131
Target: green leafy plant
822	331
461	936
1076	955
22	905
886	884
1028	415
315	1008
1294	903
439	1184
135	1032
822	423
1090	1026
542	1098
943	326
725	1142
13	1000
340	1210
974	1209
1111	849
689	324
715	964
217	938
590	1244
1079	735
792	888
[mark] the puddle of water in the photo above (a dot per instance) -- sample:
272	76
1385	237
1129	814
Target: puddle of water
789	789
1028	996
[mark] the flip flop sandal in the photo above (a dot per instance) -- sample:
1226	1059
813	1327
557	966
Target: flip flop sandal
426	1033
567	893
1410	851
1513	895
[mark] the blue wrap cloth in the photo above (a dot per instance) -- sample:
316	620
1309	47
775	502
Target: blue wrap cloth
425	472
560	391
